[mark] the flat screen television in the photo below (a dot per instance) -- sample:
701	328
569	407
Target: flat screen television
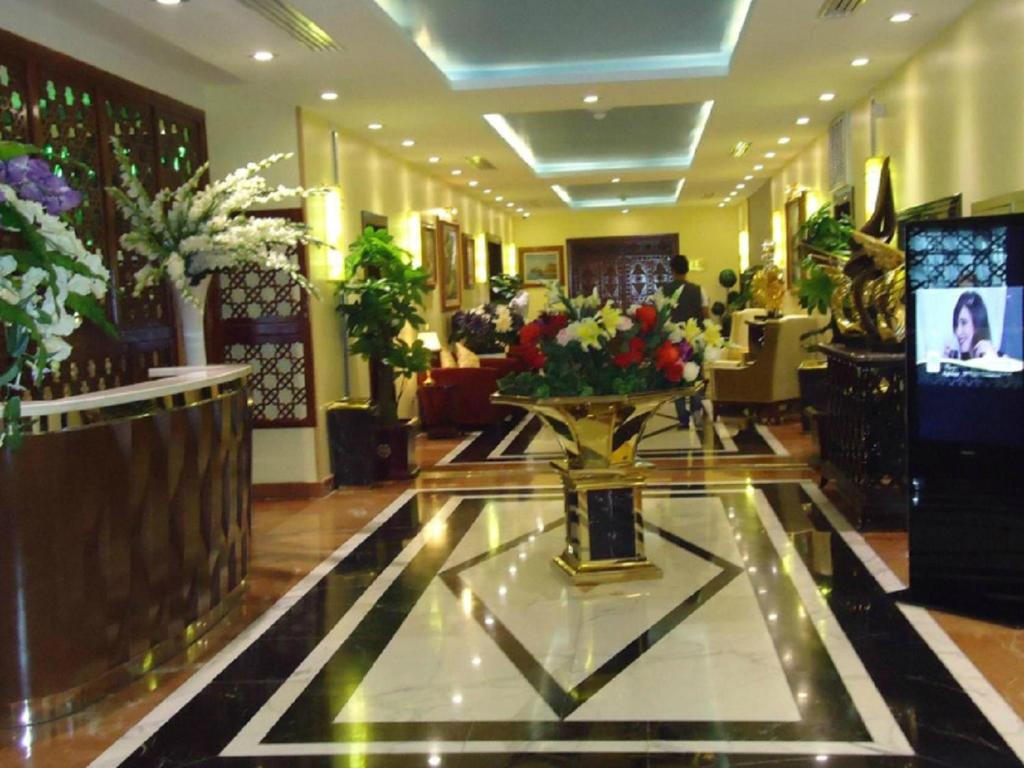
965	355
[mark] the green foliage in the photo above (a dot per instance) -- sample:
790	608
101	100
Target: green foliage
12	149
382	292
505	287
815	288
826	233
741	299
727	278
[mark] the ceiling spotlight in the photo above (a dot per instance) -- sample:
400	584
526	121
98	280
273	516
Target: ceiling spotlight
591	98
408	143
860	62
827	96
473	182
169	2
759	167
901	17
748	177
456	172
741	186
784	140
616	180
375	126
803	120
433	159
526	215
487	191
510	204
520	210
769	155
263	56
625	210
499	198
721	205
329	96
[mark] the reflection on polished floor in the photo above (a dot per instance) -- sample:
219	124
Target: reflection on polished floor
428	626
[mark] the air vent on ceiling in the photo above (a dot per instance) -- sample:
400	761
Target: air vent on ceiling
481	163
294	22
837	9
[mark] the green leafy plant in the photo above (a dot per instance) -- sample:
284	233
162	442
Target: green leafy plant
826	234
381	293
505	287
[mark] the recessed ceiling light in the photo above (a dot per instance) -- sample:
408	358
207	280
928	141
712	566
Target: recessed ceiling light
456	172
329	96
526	215
487	191
721	205
759	167
375	126
520	210
473	182
408	143
748	177
263	56
510	205
860	62
827	96
803	120
616	180
170	2
784	140
591	98
741	186
769	155
625	210
433	159
901	17
499	198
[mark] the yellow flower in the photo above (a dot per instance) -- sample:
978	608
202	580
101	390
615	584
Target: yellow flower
589	333
610	317
712	335
691	331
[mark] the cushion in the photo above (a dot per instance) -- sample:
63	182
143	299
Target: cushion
465	357
447	358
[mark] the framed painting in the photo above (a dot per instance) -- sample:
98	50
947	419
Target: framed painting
796	214
468	262
842	203
448	273
542	264
428	251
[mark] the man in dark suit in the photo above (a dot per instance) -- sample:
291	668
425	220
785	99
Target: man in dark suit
693	303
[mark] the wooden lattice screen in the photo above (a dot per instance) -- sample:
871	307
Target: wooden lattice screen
261	318
71	110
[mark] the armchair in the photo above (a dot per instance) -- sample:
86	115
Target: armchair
768	378
469	404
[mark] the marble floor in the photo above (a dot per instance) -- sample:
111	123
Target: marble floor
425	625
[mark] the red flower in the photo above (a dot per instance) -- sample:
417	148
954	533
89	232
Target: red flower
632	356
674	372
647	316
552	324
533	357
667	356
529	334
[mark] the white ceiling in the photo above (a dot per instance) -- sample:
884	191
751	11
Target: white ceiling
785	58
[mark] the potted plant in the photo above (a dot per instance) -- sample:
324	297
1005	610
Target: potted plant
380	295
596	373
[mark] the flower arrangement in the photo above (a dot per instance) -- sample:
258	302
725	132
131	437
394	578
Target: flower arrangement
48	280
487	328
582	346
191	232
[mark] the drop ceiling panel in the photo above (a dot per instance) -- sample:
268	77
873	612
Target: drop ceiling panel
486	44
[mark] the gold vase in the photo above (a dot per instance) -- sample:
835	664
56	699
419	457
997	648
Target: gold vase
602	480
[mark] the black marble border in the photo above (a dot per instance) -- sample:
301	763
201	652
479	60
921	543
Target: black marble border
938	717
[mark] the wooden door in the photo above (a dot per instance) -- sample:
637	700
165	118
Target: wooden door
626	269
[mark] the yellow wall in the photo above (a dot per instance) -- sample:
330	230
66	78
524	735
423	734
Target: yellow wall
373	181
951	119
709	235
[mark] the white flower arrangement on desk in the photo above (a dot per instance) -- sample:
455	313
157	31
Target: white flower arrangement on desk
190	233
49	281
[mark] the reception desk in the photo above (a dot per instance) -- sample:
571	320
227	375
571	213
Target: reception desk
124	534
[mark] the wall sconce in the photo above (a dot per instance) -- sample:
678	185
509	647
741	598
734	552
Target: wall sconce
744	250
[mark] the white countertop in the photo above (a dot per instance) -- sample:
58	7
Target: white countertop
164	382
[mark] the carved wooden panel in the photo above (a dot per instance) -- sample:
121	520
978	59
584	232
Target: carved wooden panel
261	318
626	269
71	110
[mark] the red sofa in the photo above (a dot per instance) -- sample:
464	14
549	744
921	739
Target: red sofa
470	398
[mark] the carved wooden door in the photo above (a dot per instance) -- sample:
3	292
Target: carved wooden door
626	269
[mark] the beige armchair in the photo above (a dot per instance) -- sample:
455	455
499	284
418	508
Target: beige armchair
768	377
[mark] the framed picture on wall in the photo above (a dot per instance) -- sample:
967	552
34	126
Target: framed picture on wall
541	264
428	251
468	262
448	265
842	203
796	214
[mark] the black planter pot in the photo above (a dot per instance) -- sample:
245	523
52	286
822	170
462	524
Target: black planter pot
353	460
394	450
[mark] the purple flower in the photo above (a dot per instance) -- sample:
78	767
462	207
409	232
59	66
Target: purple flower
33	180
685	351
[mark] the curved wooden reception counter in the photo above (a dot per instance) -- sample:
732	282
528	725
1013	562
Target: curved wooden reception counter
124	534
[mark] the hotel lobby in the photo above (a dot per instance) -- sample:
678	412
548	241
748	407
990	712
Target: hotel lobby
551	383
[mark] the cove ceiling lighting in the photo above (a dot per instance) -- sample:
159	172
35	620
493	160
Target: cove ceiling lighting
629	138
631	193
548	42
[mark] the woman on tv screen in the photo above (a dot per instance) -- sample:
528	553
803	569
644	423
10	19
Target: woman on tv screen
971	329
